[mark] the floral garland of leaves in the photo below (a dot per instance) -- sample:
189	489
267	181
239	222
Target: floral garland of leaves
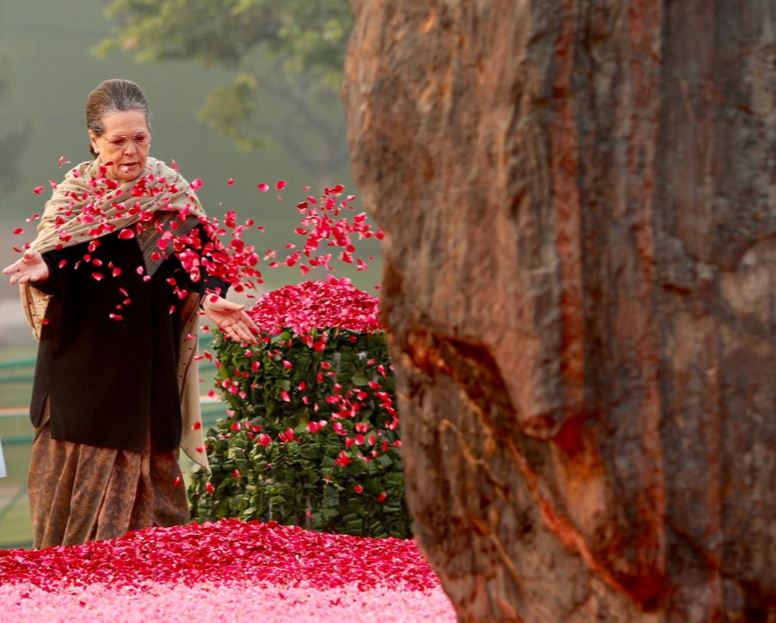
312	438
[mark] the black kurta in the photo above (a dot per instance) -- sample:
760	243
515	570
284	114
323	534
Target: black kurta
107	358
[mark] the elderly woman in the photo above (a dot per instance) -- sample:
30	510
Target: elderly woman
104	288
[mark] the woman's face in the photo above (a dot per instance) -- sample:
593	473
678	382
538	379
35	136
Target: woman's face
123	147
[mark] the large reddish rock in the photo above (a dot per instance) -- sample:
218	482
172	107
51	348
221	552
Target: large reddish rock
580	289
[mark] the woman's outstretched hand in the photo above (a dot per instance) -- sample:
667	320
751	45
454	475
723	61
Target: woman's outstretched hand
30	267
231	318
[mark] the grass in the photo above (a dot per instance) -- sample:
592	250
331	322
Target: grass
15	526
16	370
16	436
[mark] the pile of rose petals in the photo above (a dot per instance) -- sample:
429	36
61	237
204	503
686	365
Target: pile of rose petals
237	571
317	304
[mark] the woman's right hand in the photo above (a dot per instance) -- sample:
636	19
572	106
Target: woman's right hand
30	267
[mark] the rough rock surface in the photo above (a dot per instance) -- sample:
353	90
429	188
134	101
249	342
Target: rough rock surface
580	286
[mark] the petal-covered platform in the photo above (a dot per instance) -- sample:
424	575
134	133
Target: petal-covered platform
236	571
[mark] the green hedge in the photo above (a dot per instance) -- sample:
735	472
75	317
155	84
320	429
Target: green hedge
312	439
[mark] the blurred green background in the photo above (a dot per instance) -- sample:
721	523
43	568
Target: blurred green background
242	89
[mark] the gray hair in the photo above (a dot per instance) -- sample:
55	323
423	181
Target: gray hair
111	96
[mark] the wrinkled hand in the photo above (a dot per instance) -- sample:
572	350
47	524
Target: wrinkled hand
30	267
231	318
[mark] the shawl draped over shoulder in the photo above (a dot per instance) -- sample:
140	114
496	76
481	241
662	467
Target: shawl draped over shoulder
86	206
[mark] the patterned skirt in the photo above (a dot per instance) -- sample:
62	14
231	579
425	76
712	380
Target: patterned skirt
81	493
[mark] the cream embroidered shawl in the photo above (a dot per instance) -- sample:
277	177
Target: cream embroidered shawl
72	216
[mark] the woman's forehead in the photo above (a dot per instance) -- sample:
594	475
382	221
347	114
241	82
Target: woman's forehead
125	122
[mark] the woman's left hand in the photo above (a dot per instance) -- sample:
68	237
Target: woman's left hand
231	318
